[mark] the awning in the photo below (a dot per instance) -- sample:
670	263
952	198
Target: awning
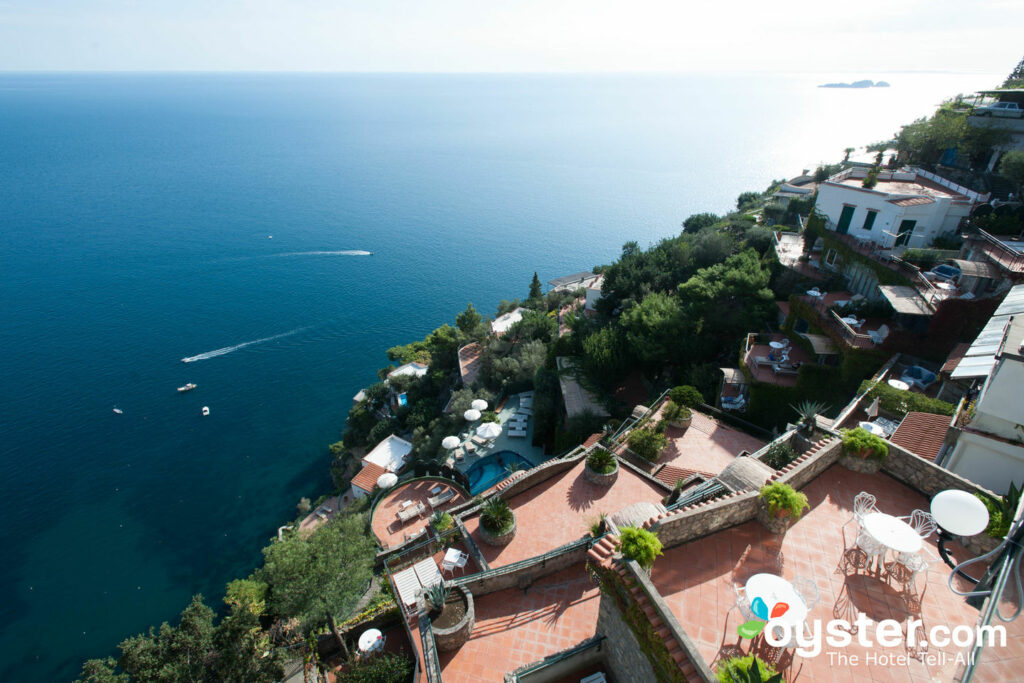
905	300
977	269
821	344
733	376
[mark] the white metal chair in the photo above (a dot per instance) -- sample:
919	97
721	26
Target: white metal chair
922	522
863	504
807	589
742	602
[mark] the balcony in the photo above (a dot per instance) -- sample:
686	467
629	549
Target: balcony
999	252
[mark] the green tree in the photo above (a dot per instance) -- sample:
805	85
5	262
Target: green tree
710	247
699	221
1012	166
535	290
321	576
469	322
174	653
653	328
101	671
244	651
747	200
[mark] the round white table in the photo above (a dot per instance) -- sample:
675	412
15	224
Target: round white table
959	512
899	384
893	533
772	590
814	292
777	345
371	640
872	427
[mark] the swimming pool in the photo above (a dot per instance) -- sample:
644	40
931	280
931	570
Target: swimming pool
492	468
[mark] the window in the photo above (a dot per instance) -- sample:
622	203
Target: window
870	220
830	257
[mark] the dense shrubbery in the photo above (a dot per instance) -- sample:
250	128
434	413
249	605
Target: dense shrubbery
639	545
385	668
647	443
897	401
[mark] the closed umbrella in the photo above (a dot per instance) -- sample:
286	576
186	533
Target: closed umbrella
872	410
471	415
387	480
489	430
450	442
478	404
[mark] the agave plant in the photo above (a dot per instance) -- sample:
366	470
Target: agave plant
808	410
437	595
496	516
601	461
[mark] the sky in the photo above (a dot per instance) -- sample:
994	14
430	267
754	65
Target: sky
503	36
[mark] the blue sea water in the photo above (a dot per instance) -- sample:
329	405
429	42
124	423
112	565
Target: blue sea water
136	215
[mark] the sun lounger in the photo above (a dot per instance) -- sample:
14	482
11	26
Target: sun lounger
414	534
526	403
525	411
459	456
408	586
470	449
784	370
517	432
411	512
427	572
435	490
441	498
762	360
479	440
321	515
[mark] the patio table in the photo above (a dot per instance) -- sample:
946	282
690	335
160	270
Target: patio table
371	640
776	345
852	322
774	589
873	428
899	384
893	533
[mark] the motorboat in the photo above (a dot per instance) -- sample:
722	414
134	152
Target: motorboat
206	410
118	411
188	387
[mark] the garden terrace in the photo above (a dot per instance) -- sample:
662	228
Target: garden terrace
561	510
764	370
469	363
387	527
696	579
706	446
857	337
515	627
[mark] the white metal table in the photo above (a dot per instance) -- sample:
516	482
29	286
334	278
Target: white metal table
893	533
772	590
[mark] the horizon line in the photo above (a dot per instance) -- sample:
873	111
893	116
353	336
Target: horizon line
494	72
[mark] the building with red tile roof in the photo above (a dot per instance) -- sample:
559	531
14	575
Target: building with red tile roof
923	434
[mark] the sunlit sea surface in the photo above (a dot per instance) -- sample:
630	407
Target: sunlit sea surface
224	218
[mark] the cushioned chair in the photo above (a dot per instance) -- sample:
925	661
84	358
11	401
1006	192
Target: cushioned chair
918	376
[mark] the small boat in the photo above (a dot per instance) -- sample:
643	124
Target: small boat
118	411
187	387
206	410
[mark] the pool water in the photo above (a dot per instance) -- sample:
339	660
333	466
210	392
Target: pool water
492	468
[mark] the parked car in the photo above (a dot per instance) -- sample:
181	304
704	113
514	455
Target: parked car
1010	110
944	273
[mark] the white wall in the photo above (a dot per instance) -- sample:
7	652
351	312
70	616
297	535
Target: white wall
987	462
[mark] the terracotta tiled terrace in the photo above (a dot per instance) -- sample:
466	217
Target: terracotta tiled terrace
561	510
515	627
697	581
706	446
764	371
388	529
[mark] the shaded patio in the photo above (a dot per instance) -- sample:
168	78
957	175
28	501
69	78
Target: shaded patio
707	445
764	362
697	581
561	510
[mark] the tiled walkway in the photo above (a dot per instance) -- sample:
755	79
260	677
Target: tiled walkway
696	579
561	510
514	628
706	446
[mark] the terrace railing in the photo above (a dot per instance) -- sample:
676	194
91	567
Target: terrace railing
558	657
850	335
585	542
431	662
997	251
710	489
631	421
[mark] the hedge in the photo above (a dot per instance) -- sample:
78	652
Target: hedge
897	401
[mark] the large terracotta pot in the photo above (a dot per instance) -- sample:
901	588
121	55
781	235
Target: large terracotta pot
454	637
598	479
498	539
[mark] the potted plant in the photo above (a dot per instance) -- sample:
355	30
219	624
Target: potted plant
686	395
746	669
451	614
677	415
497	522
601	467
441	521
639	545
781	505
863	451
647	443
808	411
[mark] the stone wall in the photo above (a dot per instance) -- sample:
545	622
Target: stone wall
695	521
524	573
625	659
561	665
669	619
542	473
804	469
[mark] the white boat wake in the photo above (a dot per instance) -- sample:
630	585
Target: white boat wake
229	349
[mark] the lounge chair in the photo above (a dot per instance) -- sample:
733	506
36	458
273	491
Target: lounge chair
878	336
441	498
479	440
470	448
411	512
762	360
459	456
525	411
918	377
517	433
784	369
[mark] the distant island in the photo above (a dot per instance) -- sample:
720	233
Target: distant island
856	84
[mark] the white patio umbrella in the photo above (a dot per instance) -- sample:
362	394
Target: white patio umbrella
872	410
387	480
471	415
478	404
489	430
450	442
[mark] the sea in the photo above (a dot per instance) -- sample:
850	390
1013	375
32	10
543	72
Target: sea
281	231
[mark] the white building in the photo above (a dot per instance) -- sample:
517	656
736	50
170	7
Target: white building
411	369
593	287
990	447
909	207
387	456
